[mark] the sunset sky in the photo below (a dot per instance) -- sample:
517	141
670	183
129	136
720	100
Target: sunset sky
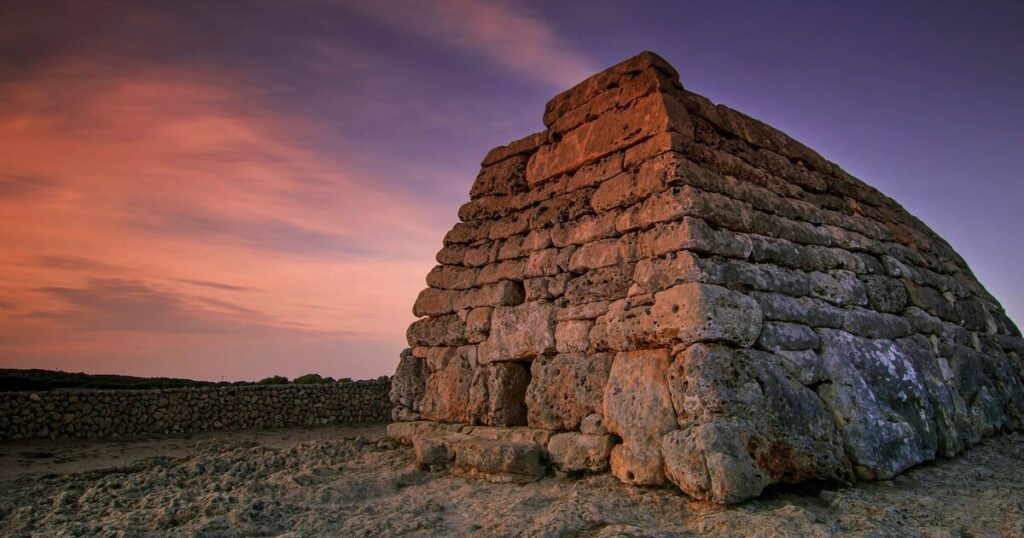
242	189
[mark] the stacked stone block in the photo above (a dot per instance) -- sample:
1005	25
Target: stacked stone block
732	309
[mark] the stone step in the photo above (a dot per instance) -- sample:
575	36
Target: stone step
504	454
498	461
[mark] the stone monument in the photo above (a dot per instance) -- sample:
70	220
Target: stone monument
668	289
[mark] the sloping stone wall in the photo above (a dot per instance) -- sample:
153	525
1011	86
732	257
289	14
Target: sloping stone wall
736	309
117	413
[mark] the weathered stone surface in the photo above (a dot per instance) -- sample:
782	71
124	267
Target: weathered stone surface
407	385
565	388
498	461
615	76
446	398
504	177
478	324
693	235
879	402
885	294
638	408
593	424
690	313
517	434
447	330
778	336
745	424
604	284
519	333
407	431
577	452
573	336
819	331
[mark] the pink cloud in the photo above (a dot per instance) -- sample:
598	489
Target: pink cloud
502	33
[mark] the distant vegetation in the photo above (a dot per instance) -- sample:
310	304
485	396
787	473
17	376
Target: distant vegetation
41	380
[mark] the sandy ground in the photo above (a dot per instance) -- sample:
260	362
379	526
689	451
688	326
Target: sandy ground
351	481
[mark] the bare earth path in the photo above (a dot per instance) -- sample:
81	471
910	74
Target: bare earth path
326	481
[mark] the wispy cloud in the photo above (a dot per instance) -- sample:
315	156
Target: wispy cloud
71	263
214	285
20	186
129	305
504	34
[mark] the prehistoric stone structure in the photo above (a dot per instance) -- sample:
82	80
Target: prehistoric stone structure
668	288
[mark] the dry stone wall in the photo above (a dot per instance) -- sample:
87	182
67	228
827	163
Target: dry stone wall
730	307
117	413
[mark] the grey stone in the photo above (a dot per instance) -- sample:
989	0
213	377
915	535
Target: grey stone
777	336
744	424
880	403
885	294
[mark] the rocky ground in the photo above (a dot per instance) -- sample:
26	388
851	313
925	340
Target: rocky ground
352	481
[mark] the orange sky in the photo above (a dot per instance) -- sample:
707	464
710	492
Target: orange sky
162	214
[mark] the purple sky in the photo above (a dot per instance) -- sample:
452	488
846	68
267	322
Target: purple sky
242	189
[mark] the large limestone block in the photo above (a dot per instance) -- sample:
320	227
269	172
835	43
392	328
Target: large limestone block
616	129
576	452
681	315
711	461
880	402
745	424
565	388
638	408
519	333
498	461
447	330
502	178
446	398
407	386
516	435
691	313
616	76
687	234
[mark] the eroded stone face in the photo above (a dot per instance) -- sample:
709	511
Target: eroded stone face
446	398
565	388
745	423
407	387
519	333
677	291
638	408
880	402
